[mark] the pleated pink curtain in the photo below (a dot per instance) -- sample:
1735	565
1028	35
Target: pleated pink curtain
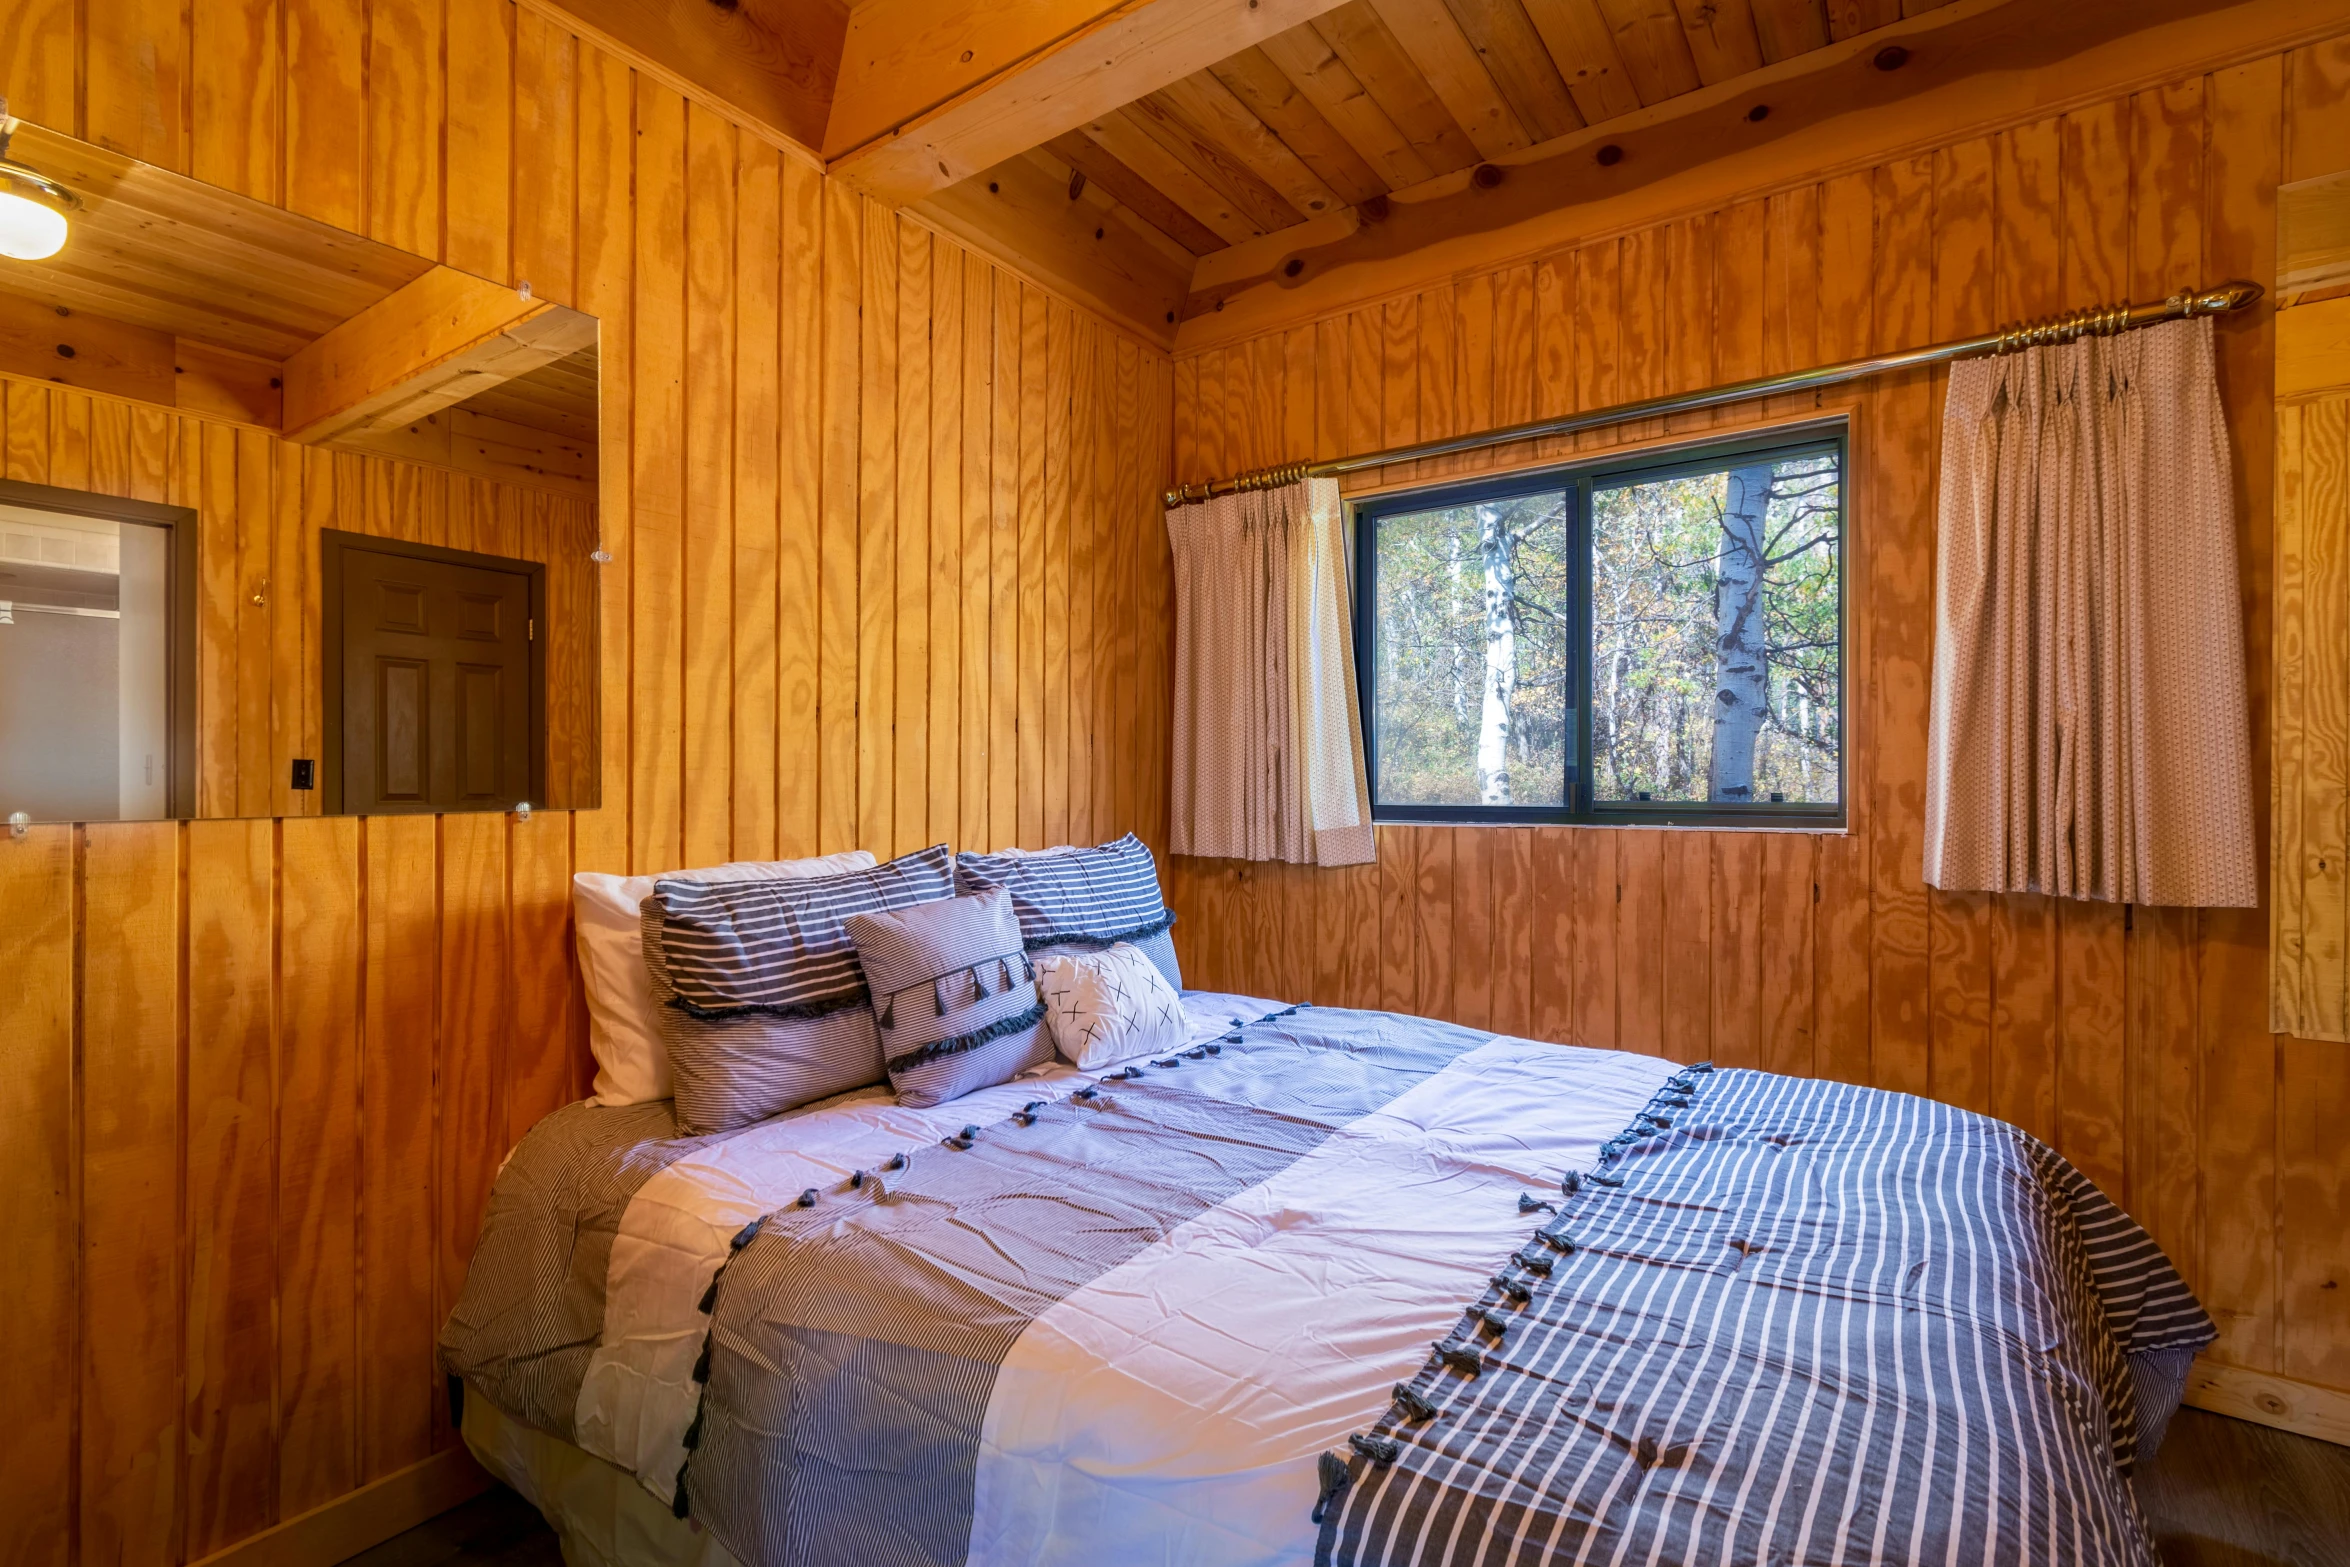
1268	761
2089	735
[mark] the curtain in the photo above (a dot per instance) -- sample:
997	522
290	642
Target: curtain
2089	734
1268	740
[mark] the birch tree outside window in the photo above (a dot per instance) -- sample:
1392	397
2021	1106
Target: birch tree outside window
1649	641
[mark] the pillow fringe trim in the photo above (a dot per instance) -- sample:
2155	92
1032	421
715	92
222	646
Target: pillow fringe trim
1086	938
971	1041
824	1007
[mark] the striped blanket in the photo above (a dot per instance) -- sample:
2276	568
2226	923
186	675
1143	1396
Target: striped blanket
1790	1321
1305	1270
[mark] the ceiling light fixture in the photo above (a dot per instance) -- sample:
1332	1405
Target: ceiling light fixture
32	205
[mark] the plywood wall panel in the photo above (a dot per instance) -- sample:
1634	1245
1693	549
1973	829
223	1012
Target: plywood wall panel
908	790
131	1159
231	1241
237	95
38	1183
319	1151
399	1034
2135	1041
706	584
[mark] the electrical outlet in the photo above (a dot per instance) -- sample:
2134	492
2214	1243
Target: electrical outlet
305	773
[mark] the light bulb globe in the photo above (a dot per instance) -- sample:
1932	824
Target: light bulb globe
30	230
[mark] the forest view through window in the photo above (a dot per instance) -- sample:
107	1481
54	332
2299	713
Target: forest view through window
1652	642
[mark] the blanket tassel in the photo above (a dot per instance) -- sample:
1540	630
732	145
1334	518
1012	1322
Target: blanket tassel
1337	1475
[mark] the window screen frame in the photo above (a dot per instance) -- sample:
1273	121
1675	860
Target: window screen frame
1580	479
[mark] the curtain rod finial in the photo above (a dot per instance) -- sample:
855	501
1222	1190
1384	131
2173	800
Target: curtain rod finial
2221	299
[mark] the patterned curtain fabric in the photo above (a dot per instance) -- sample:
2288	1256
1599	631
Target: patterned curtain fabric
1268	739
2089	734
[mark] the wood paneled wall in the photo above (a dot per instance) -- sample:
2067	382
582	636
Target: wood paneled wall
260	504
887	569
2137	1042
2309	916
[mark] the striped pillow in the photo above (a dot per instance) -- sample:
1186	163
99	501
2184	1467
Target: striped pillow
954	995
781	947
762	1003
1081	900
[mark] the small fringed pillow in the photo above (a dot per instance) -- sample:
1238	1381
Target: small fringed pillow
954	995
1110	1006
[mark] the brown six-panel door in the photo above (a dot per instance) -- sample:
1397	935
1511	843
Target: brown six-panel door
436	699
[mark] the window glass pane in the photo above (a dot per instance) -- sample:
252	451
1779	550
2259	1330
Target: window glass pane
1470	703
1714	635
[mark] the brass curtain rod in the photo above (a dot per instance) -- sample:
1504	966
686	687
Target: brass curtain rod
2098	321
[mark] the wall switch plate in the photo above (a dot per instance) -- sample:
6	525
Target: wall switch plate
305	773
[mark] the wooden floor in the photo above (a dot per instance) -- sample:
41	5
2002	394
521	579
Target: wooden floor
2226	1493
496	1529
2223	1493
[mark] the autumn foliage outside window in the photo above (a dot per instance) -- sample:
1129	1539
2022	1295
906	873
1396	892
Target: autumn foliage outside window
1652	642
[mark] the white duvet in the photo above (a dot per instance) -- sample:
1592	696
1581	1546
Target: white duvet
1171	1410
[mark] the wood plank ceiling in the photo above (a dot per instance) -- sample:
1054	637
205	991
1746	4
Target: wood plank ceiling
1377	96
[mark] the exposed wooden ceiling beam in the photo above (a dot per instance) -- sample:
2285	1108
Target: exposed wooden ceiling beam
771	61
932	92
434	343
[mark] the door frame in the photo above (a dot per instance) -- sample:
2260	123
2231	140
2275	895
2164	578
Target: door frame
332	544
179	524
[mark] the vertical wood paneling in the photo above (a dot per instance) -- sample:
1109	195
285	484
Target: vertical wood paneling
656	686
319	1151
943	763
909	611
37	1182
398	1040
837	677
800	414
237	87
877	505
545	152
231	1247
406	107
476	996
131	1162
134	76
976	601
478	139
705	605
755	614
1898	567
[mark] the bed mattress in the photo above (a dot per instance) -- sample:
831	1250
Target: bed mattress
1337	1286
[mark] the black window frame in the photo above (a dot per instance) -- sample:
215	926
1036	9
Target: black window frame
1579	479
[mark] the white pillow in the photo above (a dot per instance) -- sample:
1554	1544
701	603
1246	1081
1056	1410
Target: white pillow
1109	1006
624	1024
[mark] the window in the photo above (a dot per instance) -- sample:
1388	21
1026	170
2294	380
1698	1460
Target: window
1659	640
